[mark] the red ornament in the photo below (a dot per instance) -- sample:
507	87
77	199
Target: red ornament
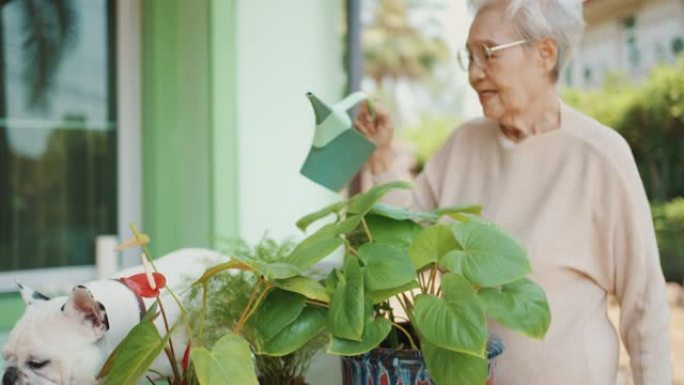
139	284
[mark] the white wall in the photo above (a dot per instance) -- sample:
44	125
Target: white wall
603	48
600	51
285	48
661	24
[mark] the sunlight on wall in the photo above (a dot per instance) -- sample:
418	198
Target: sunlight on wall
283	52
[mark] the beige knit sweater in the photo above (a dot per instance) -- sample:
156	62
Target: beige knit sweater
573	196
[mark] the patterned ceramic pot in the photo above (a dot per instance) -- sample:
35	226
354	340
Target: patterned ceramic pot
401	367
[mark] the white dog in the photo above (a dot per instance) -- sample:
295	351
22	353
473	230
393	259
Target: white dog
66	340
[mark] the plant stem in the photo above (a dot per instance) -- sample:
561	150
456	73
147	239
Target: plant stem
184	313
251	299
353	251
401	302
403	305
409	304
421	282
366	229
172	358
203	312
156	372
433	278
257	302
317	303
407	334
247	314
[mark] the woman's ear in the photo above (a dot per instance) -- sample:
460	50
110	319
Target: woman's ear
548	53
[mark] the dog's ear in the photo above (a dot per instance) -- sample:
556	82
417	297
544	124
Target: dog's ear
31	296
84	307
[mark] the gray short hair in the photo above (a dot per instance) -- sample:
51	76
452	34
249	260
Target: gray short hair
560	20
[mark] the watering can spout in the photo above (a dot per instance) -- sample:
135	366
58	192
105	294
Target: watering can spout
321	110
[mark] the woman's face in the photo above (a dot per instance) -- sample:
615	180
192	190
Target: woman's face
513	77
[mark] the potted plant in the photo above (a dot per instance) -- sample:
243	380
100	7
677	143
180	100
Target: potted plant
445	277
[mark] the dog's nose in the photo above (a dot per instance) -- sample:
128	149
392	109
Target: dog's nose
10	376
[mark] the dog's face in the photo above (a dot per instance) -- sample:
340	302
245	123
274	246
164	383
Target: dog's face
55	342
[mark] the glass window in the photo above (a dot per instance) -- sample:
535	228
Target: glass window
629	26
677	45
57	132
588	76
568	75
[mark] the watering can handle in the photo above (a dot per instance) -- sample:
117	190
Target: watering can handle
355	98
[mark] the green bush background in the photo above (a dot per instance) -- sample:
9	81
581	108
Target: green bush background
650	116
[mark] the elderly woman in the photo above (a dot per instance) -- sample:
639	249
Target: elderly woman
564	184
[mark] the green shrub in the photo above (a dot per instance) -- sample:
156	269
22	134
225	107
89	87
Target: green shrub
428	135
651	118
669	225
608	105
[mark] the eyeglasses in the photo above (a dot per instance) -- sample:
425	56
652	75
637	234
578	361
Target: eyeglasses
481	54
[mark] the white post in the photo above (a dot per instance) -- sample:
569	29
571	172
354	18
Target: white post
106	259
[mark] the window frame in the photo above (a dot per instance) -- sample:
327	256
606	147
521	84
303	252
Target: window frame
127	81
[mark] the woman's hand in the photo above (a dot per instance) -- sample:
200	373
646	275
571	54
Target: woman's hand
378	128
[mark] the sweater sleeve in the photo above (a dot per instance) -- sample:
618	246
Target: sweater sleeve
638	279
426	192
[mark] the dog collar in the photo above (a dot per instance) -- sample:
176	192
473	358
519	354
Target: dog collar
141	303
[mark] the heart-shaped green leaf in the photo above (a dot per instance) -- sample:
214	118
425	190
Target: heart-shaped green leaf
452	368
312	250
400	213
374	333
220	268
331	281
348	224
306	286
134	355
520	306
383	295
346	314
386	267
456	211
455	322
305	221
362	203
392	212
228	362
308	325
279	309
322	243
487	256
399	233
272	270
433	242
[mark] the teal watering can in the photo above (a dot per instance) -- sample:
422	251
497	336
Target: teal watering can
338	151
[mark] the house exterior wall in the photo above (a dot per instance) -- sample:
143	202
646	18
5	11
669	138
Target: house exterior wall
610	44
